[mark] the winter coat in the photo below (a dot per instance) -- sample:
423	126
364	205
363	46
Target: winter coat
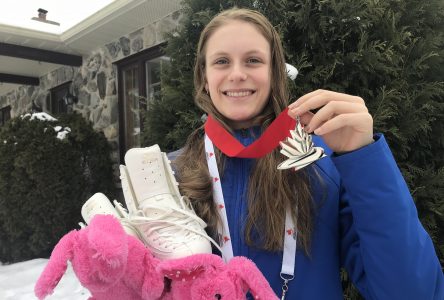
365	222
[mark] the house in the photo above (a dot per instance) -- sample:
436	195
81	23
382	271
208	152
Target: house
106	67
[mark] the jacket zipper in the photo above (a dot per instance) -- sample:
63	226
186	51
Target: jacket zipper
239	211
242	192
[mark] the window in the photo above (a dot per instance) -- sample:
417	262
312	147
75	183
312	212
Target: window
60	99
5	115
138	83
153	69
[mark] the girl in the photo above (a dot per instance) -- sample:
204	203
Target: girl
351	209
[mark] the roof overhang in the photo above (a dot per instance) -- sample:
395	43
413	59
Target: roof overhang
30	54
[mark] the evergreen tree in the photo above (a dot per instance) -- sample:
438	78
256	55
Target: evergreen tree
390	53
45	177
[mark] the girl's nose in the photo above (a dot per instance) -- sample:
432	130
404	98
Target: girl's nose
237	73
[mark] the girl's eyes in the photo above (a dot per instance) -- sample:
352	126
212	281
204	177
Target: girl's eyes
251	60
221	61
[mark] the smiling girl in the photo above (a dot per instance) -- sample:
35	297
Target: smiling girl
351	209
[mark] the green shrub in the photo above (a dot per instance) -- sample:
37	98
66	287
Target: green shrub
44	180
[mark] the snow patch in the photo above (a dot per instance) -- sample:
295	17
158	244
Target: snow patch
17	282
61	135
42	116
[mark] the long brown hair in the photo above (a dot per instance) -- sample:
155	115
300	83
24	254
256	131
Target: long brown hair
270	191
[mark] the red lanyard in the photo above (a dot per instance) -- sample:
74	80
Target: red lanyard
275	133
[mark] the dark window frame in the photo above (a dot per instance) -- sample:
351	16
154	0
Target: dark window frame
55	104
138	59
5	114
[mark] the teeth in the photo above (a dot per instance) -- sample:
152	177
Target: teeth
239	94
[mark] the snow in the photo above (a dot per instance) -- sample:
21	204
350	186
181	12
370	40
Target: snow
292	72
17	282
40	116
61	134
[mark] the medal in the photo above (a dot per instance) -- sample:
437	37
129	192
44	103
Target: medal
299	150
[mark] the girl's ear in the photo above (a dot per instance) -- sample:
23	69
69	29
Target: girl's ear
206	87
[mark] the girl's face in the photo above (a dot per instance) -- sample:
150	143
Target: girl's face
238	72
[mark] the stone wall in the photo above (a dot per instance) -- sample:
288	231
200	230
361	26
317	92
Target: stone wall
95	82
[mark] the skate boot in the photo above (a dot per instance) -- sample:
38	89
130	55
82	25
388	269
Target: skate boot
166	221
99	204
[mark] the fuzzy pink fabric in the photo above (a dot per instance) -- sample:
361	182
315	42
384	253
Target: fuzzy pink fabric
107	261
207	277
115	266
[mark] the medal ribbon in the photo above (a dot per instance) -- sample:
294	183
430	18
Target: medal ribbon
276	132
228	144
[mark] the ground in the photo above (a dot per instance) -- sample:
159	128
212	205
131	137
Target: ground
17	282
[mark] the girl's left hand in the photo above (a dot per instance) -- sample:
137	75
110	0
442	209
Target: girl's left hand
342	120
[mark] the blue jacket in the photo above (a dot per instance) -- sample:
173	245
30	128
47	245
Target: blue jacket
367	224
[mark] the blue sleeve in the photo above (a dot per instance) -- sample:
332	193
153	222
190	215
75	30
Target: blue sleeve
384	247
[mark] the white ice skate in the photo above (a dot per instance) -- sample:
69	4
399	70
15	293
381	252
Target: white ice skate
99	204
165	219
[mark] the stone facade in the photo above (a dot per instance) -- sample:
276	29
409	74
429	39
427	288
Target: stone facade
95	82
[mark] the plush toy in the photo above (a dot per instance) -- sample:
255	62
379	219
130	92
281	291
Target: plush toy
207	277
114	265
108	262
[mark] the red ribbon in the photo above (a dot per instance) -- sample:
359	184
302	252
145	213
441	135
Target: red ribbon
276	132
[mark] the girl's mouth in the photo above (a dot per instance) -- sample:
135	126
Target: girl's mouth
243	93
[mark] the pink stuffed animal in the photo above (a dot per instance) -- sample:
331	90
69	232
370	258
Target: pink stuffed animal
107	261
207	277
114	265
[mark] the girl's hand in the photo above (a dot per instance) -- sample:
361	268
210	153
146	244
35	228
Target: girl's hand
342	120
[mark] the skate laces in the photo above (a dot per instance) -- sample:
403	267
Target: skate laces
171	225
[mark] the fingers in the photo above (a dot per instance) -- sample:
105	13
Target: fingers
360	122
320	98
330	105
332	110
342	120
